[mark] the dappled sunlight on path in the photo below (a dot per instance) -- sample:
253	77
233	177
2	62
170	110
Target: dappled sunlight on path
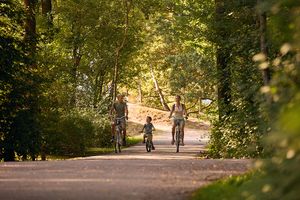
165	174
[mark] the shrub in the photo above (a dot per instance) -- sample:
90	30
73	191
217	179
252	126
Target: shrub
72	133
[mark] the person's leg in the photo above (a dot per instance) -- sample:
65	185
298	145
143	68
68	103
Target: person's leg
144	138
124	132
112	131
173	132
150	137
182	131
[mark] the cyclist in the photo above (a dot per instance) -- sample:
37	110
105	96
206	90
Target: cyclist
147	129
179	111
120	109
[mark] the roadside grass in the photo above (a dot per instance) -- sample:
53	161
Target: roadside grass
246	186
133	140
95	151
100	151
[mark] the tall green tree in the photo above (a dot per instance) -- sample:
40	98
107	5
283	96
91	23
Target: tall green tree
19	126
242	121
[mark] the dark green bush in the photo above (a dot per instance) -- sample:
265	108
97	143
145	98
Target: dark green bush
72	133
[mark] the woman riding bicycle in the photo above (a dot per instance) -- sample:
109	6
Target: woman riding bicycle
179	111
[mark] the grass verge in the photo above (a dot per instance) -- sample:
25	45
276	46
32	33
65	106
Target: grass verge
99	151
232	188
95	151
133	140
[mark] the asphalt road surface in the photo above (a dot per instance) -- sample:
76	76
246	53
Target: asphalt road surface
133	174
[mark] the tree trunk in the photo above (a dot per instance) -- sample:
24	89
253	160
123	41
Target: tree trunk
224	82
47	13
224	74
9	149
30	39
263	43
115	78
161	96
127	5
98	87
30	29
76	61
46	7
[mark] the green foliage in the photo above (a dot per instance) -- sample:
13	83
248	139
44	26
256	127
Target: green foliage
133	140
176	47
72	133
77	66
239	132
94	151
67	92
19	131
278	176
228	189
26	134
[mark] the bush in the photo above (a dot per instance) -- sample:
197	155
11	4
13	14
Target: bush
72	133
277	177
236	136
102	132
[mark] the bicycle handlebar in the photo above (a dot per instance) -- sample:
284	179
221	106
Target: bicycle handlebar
184	118
118	118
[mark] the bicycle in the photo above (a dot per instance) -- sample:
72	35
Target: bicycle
118	134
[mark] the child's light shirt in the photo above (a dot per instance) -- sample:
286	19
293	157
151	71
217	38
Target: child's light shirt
148	128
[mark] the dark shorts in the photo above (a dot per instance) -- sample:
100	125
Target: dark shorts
121	121
149	136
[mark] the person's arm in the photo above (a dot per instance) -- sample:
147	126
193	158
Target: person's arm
172	110
142	129
112	109
126	111
184	111
153	128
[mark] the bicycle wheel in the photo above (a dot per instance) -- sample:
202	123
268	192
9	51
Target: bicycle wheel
148	146
177	142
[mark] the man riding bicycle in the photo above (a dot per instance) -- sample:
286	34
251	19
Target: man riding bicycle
180	113
119	108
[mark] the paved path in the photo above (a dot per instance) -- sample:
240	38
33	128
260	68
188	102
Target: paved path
133	174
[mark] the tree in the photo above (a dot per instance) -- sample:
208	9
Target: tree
263	42
19	133
158	90
127	7
242	121
222	57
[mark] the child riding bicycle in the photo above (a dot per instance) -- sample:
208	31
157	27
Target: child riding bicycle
147	129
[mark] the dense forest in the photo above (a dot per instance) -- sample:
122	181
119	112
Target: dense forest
64	61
